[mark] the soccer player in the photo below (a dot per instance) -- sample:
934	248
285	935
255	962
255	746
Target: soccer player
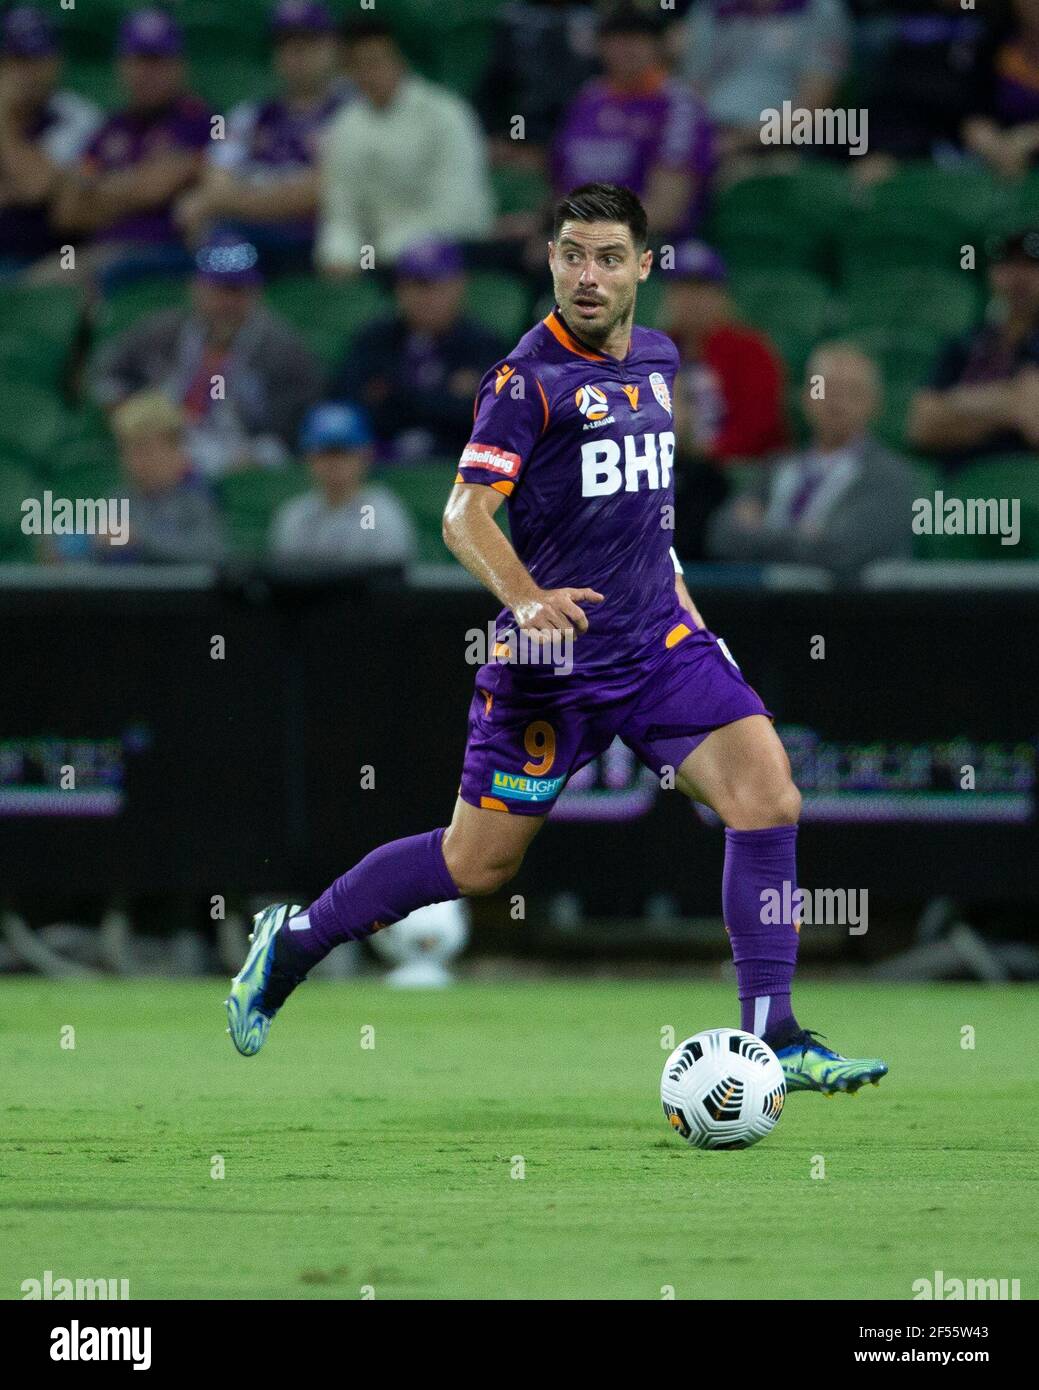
574	430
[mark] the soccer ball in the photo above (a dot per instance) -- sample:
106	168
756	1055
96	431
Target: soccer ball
722	1089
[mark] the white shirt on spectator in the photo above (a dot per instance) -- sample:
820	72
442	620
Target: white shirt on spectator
408	172
307	528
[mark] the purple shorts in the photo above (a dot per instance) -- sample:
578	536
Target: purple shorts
529	731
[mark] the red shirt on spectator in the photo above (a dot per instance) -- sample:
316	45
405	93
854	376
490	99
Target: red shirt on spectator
735	386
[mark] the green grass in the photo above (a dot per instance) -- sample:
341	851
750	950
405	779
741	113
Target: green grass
391	1167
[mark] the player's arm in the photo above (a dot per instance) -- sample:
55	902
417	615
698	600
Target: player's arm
479	544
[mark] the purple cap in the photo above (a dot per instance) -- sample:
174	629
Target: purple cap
229	260
430	260
149	34
301	17
695	260
28	33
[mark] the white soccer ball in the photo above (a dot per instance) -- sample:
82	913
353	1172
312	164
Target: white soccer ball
422	945
722	1089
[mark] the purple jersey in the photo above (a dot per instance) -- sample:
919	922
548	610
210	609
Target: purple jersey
582	446
131	137
272	139
621	136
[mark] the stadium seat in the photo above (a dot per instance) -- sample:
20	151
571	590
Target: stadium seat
422	489
33	421
961	200
938	301
16	485
783	299
1011	477
781	221
134	301
894	238
249	500
519	190
328	315
501	302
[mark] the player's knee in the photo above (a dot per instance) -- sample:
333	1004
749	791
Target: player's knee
759	806
478	878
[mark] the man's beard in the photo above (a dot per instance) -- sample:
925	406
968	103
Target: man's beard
597	335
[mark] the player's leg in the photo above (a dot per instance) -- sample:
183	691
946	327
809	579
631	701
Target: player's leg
742	772
477	853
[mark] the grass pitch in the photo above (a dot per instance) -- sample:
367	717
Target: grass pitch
396	1166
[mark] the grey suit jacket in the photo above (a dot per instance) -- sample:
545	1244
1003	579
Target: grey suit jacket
864	514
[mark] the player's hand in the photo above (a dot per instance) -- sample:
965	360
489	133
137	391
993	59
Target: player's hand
555	610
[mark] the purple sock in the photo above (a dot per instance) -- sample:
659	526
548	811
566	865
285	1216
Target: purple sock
758	911
385	886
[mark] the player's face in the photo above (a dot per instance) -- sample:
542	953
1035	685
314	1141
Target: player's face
596	270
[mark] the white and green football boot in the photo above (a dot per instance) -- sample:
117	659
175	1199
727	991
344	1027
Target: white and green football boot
809	1066
262	985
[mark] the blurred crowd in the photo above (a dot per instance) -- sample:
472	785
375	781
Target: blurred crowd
356	166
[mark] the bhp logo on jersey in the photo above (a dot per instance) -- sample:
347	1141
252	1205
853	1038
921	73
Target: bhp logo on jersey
603	473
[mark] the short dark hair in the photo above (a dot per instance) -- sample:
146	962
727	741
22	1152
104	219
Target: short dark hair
603	202
365	28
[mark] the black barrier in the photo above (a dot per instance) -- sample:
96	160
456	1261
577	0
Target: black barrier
138	754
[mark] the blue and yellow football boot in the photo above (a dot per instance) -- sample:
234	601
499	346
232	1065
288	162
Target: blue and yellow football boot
808	1066
262	985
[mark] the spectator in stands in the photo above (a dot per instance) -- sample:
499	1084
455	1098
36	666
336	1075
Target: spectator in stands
242	375
638	127
122	192
417	373
542	52
983	396
730	386
843	502
344	519
403	161
43	129
925	68
1008	136
262	179
747	56
728	391
172	516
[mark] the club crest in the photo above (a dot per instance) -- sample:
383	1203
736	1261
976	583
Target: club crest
659	385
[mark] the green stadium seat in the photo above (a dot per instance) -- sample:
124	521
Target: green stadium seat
35	361
649	305
33	421
16	485
224	83
501	302
1014	476
423	490
784	299
937	301
893	238
328	315
135	301
963	200
519	190
785	221
249	500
